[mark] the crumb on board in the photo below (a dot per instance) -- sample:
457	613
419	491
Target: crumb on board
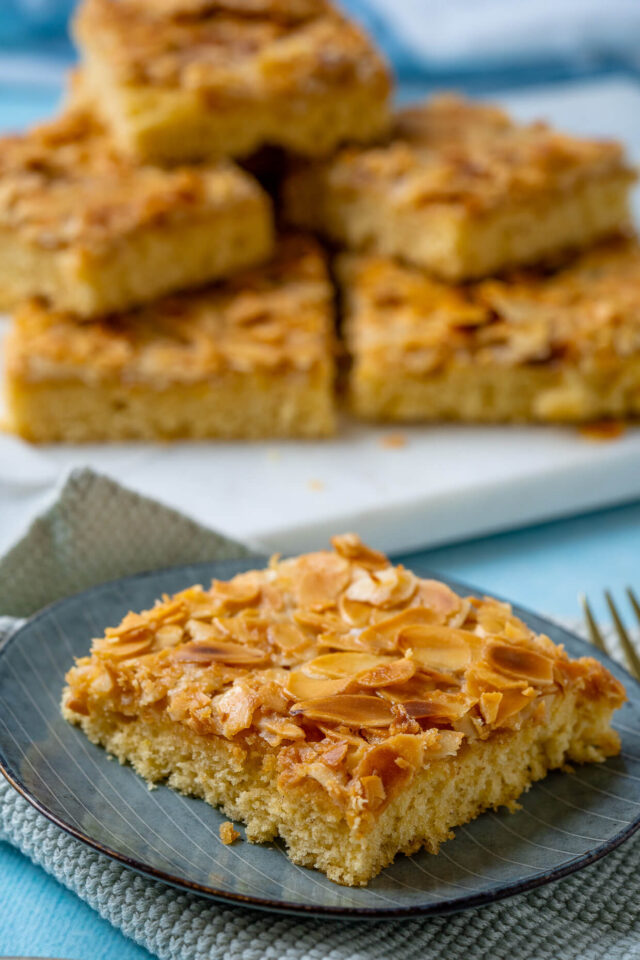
393	441
316	484
602	431
228	833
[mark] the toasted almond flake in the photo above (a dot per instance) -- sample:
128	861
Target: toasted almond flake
440	648
319	579
519	662
168	636
125	651
237	593
439	599
345	664
489	704
353	710
512	702
351	547
385	631
303	687
440	706
354	612
387	673
220	652
386	587
287	636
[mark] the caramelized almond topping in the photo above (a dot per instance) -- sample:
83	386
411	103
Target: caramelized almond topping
232	653
352	709
349	669
519	662
440	648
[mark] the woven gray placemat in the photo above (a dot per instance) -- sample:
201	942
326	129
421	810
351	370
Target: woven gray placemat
97	531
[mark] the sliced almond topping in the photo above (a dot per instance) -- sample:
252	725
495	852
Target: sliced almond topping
168	636
440	648
341	641
303	687
350	546
220	652
237	593
354	612
387	587
336	753
390	672
394	761
346	664
202	632
287	636
352	709
496	619
489	705
439	599
512	702
385	631
125	651
319	579
440	706
519	662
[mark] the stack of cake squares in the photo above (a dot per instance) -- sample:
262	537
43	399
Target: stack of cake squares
486	270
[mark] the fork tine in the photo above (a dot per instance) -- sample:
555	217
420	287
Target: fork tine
594	633
635	603
632	658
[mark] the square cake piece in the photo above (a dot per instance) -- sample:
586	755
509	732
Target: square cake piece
343	703
250	357
186	79
555	346
94	232
462	191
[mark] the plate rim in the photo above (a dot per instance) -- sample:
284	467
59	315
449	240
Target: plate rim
442	907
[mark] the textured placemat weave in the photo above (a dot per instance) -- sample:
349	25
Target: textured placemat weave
97	531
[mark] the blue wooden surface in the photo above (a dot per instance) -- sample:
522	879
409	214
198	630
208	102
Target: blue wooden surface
542	567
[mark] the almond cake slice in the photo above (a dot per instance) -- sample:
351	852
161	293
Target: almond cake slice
343	703
536	346
184	79
94	232
463	191
250	357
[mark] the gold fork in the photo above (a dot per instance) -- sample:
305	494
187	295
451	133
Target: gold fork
595	634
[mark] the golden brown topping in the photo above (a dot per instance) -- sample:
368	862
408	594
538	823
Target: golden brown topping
351	547
189	337
470	157
585	313
437	648
355	695
518	662
64	185
352	709
219	652
227	49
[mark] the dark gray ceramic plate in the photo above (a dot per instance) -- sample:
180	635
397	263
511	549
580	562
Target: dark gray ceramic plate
567	821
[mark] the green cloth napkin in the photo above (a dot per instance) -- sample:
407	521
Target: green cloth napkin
97	531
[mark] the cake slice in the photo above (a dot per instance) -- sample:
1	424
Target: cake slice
94	232
341	702
250	357
462	191
536	346
201	78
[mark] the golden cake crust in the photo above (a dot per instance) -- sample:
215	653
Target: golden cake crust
355	672
586	313
63	185
270	318
264	47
